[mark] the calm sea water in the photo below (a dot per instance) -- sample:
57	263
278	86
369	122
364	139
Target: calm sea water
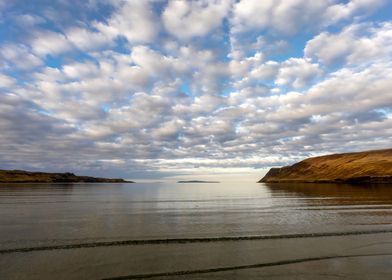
51	215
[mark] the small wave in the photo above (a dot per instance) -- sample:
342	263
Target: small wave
188	240
241	267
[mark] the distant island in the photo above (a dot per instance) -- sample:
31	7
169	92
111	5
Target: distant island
21	176
197	181
361	167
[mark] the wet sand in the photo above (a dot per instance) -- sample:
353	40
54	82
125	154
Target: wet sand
227	259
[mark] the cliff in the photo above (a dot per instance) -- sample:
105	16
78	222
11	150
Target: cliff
360	167
20	176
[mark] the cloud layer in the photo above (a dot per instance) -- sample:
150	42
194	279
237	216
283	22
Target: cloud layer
143	89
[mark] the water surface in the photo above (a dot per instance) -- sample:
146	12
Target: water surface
37	215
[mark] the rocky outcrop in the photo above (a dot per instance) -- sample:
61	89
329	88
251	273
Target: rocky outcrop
360	167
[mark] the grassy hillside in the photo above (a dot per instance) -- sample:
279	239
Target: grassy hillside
369	166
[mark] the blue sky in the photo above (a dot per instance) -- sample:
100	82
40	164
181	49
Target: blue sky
191	89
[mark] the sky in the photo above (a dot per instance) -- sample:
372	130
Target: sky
161	90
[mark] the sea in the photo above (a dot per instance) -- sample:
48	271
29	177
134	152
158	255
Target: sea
195	231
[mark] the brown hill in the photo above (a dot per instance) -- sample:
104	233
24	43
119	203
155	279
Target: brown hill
20	176
361	167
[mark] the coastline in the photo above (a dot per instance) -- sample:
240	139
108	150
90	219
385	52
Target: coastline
22	176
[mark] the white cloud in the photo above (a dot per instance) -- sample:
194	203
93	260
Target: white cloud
80	70
6	81
355	44
297	73
134	20
28	21
50	43
3	4
239	67
250	72
340	11
169	130
19	56
284	16
85	39
289	16
187	19
254	72
265	71
149	59
133	76
205	103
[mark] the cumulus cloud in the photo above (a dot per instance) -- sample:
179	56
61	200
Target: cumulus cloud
6	81
290	16
80	70
150	60
28	21
340	11
85	39
134	20
284	16
297	73
50	43
187	19
19	56
169	130
358	43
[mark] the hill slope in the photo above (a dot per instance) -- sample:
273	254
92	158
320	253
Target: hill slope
369	166
20	176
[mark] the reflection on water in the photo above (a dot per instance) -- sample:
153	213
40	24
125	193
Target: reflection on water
71	213
51	215
341	192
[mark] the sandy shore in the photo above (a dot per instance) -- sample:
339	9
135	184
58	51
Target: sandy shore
366	256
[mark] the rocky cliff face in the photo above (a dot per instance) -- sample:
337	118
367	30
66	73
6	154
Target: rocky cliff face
361	167
20	176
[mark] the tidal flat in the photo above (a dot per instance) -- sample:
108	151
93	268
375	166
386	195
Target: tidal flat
195	231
